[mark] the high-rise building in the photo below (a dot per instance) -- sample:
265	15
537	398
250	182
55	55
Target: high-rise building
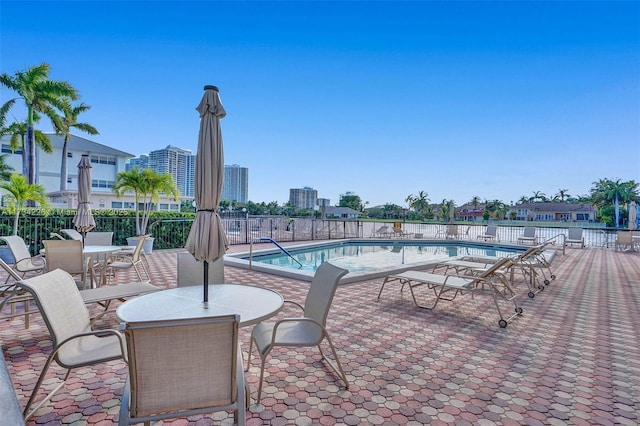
236	184
303	198
173	160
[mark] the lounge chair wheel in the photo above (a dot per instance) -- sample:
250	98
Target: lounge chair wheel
531	294
540	287
553	277
519	310
502	323
547	282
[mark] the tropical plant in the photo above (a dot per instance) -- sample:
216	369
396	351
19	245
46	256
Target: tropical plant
351	201
538	196
523	199
5	169
147	185
19	192
606	192
418	203
40	94
562	195
68	121
18	132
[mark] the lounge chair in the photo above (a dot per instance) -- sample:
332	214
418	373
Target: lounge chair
24	262
449	232
574	236
398	232
12	294
72	233
491	233
180	368
528	235
191	272
303	331
624	241
493	278
74	342
382	232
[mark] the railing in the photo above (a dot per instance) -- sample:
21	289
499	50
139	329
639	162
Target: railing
257	240
173	233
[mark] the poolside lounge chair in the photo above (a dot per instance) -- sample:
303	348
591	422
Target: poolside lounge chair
493	278
449	232
574	237
307	330
382	232
74	342
72	233
491	233
528	235
179	368
24	262
398	232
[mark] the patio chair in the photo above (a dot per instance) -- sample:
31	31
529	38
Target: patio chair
491	233
180	368
13	295
24	262
574	236
624	241
493	277
382	232
448	232
528	235
67	255
98	239
72	233
305	331
191	272
398	232
124	260
74	342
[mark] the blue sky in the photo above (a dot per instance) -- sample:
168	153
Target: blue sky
384	99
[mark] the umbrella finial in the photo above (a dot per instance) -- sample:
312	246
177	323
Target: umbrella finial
210	87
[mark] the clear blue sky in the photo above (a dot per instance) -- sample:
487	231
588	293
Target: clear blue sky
385	99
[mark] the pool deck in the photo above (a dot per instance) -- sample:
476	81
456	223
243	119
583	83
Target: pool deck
572	358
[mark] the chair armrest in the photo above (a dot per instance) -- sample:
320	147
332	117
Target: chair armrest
299	319
294	303
97	333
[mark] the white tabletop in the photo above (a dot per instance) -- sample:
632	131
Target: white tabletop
100	249
253	304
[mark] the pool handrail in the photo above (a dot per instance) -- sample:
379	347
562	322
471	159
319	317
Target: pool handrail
255	240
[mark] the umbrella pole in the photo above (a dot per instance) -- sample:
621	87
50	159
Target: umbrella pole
206	281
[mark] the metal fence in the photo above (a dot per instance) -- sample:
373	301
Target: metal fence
173	233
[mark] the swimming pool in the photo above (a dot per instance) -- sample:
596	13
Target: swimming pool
365	259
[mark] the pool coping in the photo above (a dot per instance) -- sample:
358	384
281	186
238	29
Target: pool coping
237	261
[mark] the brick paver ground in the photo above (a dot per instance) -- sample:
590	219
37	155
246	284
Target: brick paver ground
572	358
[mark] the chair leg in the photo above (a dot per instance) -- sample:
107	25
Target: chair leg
26	412
263	360
337	367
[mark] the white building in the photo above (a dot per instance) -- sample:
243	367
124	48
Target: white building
236	184
106	163
303	198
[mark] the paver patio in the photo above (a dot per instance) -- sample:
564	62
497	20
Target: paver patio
572	358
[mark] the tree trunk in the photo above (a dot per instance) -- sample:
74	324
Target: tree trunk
63	167
15	223
31	160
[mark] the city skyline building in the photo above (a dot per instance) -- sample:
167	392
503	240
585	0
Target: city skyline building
173	160
236	184
303	198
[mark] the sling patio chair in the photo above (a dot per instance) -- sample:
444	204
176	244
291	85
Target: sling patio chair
12	294
307	330
24	262
72	233
449	232
382	232
127	260
443	285
67	255
574	236
183	367
528	235
491	233
191	272
74	342
98	239
624	241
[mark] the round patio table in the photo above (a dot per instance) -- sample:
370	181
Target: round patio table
253	304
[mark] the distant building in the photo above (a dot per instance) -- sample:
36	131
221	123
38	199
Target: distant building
341	212
173	160
236	184
567	212
106	163
303	198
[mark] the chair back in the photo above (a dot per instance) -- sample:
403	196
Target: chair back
624	237
504	262
18	248
529	232
184	364
575	234
61	306
65	255
323	288
491	230
452	230
98	239
9	270
72	233
191	272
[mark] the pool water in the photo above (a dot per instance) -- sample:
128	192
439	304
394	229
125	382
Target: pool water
366	259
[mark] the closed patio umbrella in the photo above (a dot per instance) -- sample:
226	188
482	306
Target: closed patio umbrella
83	220
207	241
633	214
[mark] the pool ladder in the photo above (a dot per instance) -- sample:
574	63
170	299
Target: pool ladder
257	240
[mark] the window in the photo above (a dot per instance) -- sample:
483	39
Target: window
96	183
129	205
116	204
103	159
6	149
69	180
582	216
164	206
69	154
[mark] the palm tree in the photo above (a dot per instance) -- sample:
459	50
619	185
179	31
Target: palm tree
40	95
607	191
68	121
562	194
19	192
524	199
5	169
146	184
18	132
538	195
418	202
